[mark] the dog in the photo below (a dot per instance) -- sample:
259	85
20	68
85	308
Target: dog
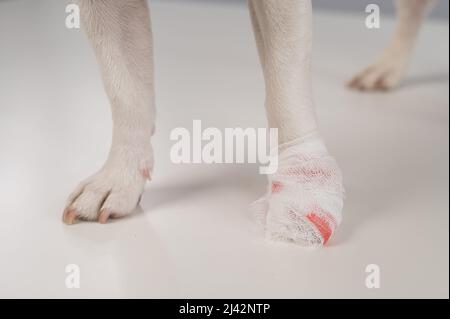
304	200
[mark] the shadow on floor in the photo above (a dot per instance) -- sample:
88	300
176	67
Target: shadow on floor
426	79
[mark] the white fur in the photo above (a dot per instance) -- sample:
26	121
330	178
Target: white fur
283	32
120	34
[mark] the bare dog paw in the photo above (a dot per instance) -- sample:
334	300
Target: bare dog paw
383	75
113	192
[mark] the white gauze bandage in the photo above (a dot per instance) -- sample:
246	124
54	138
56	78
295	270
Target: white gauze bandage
305	196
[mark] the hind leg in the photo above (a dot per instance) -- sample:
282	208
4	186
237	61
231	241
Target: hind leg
388	71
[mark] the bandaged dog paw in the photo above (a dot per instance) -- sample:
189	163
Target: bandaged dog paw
305	197
113	192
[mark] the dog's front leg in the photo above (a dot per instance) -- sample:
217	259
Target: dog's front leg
390	68
119	31
304	200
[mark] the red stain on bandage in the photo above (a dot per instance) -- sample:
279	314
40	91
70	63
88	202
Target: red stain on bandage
276	187
324	222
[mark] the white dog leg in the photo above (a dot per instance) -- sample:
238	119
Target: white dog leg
305	196
119	31
284	36
390	68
